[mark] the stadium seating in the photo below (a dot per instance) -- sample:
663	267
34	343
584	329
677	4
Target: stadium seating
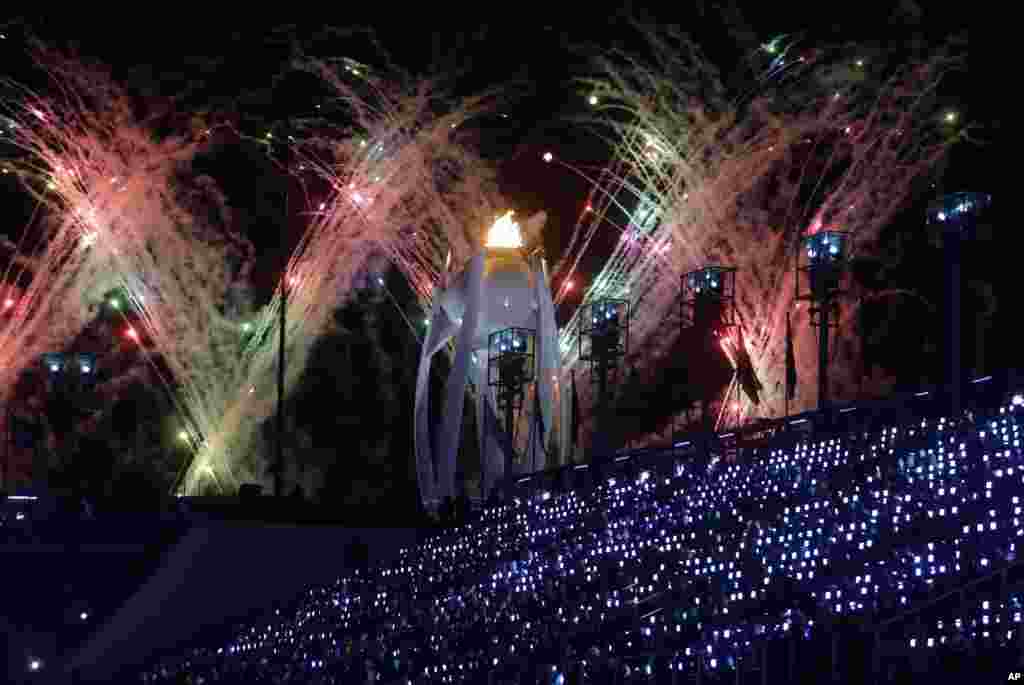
864	556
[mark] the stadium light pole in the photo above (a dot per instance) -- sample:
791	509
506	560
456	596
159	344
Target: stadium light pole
603	340
8	306
826	254
708	306
511	354
68	376
285	285
279	462
954	217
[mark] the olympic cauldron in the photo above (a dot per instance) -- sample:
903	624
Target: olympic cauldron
498	307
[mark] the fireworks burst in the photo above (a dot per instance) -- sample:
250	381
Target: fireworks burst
125	220
700	176
708	178
402	190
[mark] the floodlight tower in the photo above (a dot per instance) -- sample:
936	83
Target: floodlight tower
954	219
510	369
708	306
603	340
61	368
67	377
822	259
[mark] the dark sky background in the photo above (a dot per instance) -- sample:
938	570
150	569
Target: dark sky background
232	61
539	52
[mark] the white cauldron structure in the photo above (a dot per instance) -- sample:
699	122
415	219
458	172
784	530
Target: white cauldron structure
501	298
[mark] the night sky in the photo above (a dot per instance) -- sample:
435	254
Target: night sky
220	57
232	66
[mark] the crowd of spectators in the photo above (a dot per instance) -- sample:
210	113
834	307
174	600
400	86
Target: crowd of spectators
896	543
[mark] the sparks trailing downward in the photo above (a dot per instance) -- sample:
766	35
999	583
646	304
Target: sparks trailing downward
700	175
127	222
402	189
736	179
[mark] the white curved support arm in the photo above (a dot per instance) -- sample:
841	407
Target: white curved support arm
548	362
455	394
441	330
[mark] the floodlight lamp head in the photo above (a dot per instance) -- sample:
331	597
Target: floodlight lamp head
825	247
607	312
512	341
711	276
85	362
709	281
510	355
606	330
53	362
957	211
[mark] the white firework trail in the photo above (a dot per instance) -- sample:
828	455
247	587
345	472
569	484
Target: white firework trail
729	180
